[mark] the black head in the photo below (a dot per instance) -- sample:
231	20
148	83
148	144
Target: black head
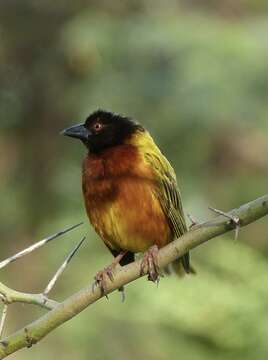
103	129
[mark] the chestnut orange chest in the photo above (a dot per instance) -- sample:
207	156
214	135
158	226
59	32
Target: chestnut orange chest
119	189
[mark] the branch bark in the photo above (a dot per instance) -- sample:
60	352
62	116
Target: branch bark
10	296
63	312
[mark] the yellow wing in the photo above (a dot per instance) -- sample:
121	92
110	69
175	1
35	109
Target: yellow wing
167	190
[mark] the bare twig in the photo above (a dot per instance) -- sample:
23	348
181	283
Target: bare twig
58	273
10	296
37	245
76	303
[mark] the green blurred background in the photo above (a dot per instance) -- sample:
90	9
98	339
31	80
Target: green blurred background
195	73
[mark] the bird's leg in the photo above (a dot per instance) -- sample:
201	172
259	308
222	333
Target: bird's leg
100	278
149	264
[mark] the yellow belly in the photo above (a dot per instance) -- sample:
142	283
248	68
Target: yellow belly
130	220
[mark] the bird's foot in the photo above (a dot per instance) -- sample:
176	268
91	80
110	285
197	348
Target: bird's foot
149	264
100	279
234	219
102	276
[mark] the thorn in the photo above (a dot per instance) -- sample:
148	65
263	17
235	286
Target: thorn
62	232
3	320
37	245
193	221
234	219
63	266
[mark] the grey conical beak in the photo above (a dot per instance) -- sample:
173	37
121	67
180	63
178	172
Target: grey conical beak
77	131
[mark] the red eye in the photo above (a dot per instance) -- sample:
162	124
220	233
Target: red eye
97	126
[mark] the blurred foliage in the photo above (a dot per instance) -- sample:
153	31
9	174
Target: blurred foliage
195	74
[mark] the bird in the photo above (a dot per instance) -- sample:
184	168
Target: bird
130	192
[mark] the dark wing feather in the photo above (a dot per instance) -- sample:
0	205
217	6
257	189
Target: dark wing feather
170	198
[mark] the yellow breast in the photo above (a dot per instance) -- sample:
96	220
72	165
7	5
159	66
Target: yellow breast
122	206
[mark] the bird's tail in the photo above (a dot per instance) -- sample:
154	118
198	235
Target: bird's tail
181	266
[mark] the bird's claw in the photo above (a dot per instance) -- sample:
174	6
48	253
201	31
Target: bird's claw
149	264
100	279
234	219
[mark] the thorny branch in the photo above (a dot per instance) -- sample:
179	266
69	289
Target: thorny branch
199	234
37	245
8	295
